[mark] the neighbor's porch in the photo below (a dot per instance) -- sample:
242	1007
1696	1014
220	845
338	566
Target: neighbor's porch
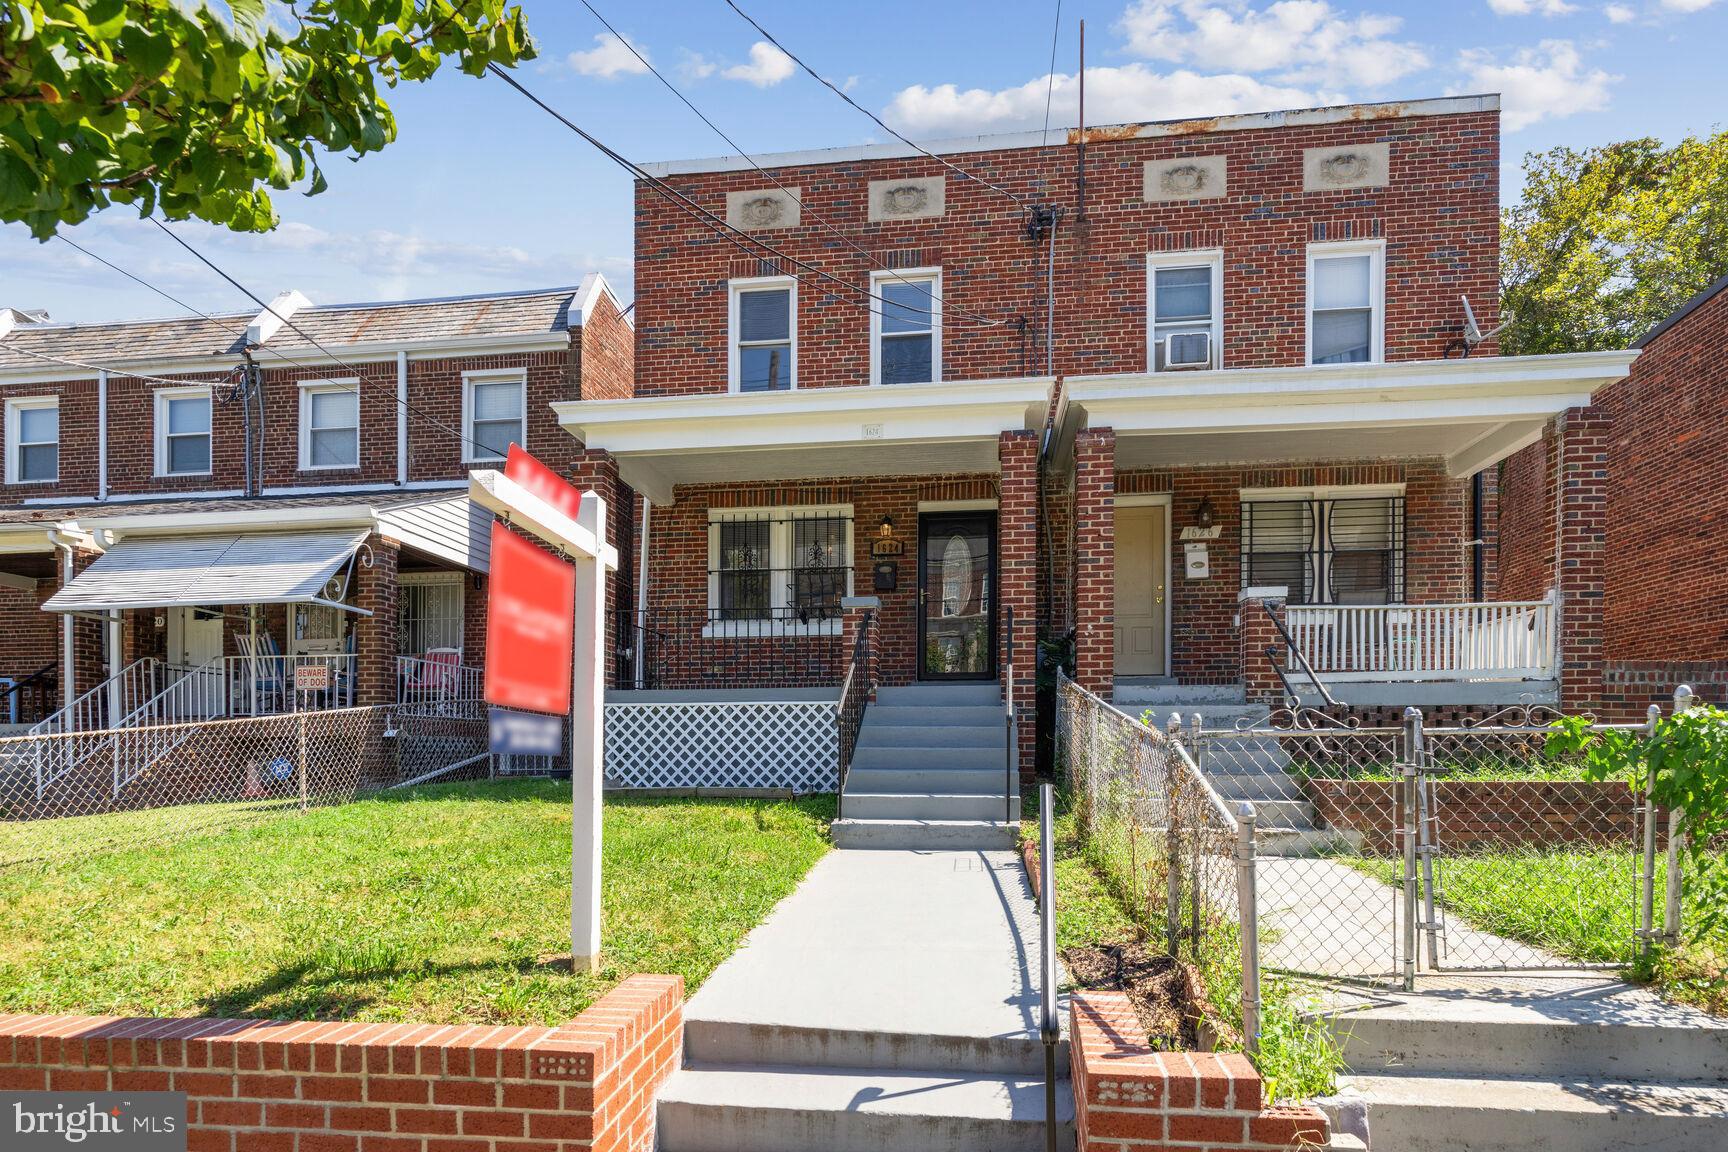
1296	534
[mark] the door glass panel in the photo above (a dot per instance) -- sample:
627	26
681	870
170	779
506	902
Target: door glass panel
957	598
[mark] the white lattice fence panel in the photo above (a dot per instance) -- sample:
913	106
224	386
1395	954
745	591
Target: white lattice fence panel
765	744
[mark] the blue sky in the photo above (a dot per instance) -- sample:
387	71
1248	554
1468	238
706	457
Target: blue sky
482	191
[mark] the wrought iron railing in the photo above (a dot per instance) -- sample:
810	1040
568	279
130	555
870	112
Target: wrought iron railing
39	684
1011	755
854	697
1298	660
793	647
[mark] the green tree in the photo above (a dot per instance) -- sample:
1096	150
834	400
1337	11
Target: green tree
1607	241
198	111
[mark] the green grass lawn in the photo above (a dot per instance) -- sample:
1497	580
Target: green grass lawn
439	904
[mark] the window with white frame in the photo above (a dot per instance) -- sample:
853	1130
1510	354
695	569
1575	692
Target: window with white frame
493	413
431	612
778	569
330	425
33	440
1185	309
764	334
1346	302
906	326
1326	547
183	432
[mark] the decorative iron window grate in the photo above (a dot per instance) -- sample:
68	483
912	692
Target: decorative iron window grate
1332	551
783	564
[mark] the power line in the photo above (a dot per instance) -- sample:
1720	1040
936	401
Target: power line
836	232
834	88
103	368
1050	84
719	226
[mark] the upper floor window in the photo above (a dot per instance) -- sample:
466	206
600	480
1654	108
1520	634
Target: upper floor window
764	334
183	432
906	327
1337	546
778	569
1346	302
33	440
1185	307
493	414
330	425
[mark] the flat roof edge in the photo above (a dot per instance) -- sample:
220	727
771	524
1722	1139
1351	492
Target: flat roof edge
999	141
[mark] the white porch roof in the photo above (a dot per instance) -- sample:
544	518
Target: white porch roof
232	568
880	430
1471	412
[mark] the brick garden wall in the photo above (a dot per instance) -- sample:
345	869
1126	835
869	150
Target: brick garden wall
296	1086
1129	1098
1439	215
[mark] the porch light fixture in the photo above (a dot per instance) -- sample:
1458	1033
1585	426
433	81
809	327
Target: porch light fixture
885	530
1203	514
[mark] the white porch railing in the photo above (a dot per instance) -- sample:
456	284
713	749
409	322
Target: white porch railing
437	685
1509	640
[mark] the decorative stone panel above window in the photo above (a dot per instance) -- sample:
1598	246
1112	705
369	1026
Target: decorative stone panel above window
1351	166
763	208
1185	178
911	199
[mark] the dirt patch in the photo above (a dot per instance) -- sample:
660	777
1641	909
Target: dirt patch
1162	989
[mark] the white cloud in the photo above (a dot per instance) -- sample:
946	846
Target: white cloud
1531	7
1546	82
768	66
1687	5
1129	93
695	66
609	58
1295	41
1619	14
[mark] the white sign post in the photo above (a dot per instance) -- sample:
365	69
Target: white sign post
583	541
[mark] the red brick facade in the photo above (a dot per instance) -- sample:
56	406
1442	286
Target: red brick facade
1655	442
277	1086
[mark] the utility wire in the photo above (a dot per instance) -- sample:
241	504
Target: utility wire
1050	85
736	237
89	367
718	131
834	88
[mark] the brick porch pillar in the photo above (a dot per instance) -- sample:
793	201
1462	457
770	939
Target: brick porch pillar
1017	580
1580	562
595	469
1256	633
1095	560
375	635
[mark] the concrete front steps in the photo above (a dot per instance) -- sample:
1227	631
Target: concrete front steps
930	771
1584	1064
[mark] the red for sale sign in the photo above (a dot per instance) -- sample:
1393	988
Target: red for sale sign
529	618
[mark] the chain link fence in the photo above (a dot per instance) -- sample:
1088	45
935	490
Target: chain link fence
67	795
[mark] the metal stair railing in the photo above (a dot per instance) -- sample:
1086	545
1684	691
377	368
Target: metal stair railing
849	716
1290	697
59	750
160	724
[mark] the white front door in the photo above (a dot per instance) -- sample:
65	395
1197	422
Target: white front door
195	642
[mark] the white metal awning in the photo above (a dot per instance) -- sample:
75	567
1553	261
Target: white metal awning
230	568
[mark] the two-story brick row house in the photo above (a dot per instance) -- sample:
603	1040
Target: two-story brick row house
1208	381
244	495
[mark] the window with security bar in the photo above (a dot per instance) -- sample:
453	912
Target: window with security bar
781	568
431	615
1346	550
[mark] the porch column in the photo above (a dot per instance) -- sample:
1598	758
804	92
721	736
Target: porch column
1581	555
1257	633
1017	579
375	635
595	469
1095	560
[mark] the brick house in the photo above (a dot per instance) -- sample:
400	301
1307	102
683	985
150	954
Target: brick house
1220	392
231	498
1652	575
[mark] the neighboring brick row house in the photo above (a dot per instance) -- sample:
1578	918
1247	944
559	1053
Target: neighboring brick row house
1638	471
1255	406
344	537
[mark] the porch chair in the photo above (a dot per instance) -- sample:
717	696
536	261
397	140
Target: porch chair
262	662
437	672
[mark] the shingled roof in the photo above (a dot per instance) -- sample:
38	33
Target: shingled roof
220	338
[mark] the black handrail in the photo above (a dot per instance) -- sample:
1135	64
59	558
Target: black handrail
1301	661
42	680
854	695
1049	1022
1011	769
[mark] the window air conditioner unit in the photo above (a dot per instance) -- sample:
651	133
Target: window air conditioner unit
1188	350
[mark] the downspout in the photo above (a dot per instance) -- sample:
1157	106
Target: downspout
102	435
642	596
401	418
68	689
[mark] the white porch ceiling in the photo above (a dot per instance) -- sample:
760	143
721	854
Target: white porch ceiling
1454	443
656	473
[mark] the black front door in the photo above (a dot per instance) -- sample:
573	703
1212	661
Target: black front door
957	596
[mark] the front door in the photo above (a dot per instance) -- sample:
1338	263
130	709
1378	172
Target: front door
957	596
1142	581
194	645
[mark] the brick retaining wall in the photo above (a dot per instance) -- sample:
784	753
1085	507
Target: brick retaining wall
1129	1098
1486	813
299	1086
